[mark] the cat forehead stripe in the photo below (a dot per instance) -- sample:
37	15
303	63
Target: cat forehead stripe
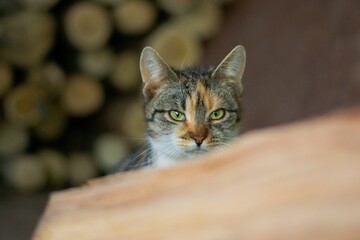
204	94
190	107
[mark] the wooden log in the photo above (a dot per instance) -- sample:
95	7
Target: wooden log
133	124
177	7
50	76
87	25
26	37
6	77
56	167
52	125
110	3
299	181
109	150
126	118
81	168
97	63
25	173
26	104
125	75
204	21
38	4
135	17
14	139
8	6
177	46
82	95
112	115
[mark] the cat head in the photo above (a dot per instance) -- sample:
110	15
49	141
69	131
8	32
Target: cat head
191	110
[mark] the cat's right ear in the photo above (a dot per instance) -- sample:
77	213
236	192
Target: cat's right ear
154	71
232	67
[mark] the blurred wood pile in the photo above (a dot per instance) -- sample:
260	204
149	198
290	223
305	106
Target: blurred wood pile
299	181
70	88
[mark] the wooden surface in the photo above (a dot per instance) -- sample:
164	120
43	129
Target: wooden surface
298	181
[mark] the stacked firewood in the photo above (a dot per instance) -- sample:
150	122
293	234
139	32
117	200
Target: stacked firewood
70	88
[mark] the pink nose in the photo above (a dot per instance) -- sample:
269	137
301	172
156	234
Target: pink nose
198	139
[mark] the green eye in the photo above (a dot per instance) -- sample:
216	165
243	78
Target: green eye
218	114
177	116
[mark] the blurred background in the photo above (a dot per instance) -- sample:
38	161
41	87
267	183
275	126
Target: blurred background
70	90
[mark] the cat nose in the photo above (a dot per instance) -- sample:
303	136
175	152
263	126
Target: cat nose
198	139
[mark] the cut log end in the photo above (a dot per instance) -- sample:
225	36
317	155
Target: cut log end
27	36
177	7
110	3
38	4
204	21
178	47
126	118
81	168
25	173
49	76
97	63
56	167
135	17
133	124
14	139
87	26
52	125
109	150
25	104
6	78
125	75
82	95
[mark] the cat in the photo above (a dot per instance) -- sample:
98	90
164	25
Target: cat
189	111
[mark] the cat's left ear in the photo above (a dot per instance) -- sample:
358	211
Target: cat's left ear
233	66
154	71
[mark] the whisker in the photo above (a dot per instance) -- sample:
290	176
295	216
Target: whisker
143	152
172	154
144	159
184	59
133	161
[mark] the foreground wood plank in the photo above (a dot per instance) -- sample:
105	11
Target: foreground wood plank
300	181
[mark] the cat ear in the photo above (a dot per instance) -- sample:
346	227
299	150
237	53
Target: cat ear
233	65
153	68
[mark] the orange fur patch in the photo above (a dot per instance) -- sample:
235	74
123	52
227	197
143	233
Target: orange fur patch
211	102
190	105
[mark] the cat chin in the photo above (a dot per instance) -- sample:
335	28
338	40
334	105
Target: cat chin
164	161
167	151
195	152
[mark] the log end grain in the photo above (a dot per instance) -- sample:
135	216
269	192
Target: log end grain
87	25
82	95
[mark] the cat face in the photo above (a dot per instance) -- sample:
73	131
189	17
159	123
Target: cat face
191	111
